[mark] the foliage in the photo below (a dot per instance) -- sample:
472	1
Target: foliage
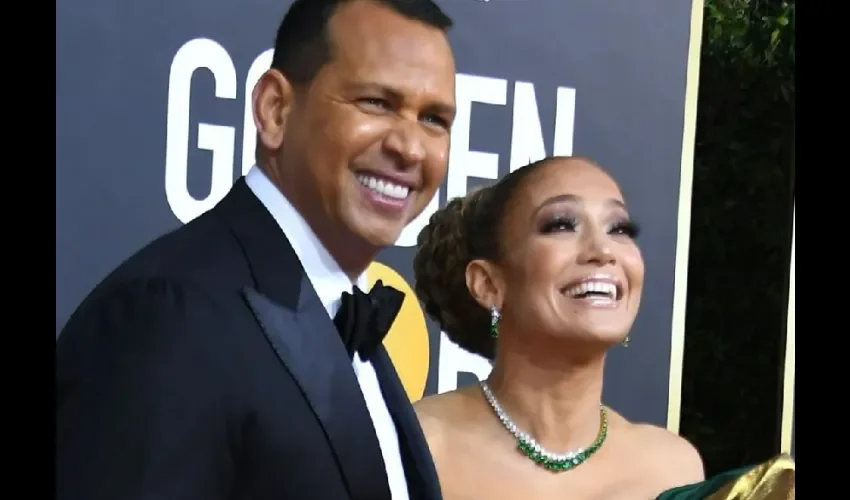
740	232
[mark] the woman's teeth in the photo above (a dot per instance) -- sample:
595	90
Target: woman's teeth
384	187
603	288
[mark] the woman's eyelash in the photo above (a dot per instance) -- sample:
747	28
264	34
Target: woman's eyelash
559	224
627	228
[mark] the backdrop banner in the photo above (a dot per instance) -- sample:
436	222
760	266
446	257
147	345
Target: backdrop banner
154	126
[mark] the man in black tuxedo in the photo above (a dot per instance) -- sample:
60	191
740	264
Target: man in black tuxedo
208	365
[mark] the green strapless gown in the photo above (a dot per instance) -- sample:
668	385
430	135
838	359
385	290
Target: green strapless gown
771	480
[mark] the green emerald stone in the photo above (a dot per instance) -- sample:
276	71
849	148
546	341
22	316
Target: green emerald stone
569	463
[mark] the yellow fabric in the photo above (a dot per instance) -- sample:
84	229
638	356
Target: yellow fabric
771	480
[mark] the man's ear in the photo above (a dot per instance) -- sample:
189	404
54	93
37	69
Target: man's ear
485	284
272	99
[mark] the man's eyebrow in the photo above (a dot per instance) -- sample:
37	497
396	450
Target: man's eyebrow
442	108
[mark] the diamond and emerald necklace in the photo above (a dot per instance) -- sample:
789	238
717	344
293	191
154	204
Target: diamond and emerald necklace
555	462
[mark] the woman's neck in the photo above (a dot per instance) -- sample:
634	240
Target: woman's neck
556	401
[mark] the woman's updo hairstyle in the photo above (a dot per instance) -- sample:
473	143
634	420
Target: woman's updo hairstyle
467	228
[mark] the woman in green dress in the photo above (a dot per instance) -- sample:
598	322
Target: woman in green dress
541	273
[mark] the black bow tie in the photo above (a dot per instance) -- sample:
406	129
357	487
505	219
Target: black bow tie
363	320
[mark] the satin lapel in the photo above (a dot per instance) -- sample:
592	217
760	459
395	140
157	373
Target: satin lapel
275	269
306	341
426	486
308	345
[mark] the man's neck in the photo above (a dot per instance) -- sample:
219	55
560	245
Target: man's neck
350	252
351	260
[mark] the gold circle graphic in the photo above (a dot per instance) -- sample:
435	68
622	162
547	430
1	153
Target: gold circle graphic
407	341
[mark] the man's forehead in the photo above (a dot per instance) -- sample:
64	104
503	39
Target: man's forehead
403	56
365	20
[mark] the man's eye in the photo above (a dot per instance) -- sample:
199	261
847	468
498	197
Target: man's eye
375	102
436	120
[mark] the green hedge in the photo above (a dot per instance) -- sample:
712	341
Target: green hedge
740	232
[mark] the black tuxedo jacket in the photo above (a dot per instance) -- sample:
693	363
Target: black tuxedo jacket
205	367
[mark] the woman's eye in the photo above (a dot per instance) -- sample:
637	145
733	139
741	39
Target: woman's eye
628	229
559	224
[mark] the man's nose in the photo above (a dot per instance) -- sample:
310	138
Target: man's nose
405	142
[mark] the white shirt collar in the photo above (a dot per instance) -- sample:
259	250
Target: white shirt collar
327	278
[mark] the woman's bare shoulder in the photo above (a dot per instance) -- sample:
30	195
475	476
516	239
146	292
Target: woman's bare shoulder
670	459
676	460
447	408
440	414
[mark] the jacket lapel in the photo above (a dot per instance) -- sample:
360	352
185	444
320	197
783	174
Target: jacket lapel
309	347
306	341
422	479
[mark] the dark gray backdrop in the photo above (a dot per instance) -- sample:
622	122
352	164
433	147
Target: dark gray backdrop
627	62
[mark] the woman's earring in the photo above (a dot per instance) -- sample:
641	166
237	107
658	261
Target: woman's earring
626	341
494	322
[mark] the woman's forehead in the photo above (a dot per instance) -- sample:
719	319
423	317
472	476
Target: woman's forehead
568	180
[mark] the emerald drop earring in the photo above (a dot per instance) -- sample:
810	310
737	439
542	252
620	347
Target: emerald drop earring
494	322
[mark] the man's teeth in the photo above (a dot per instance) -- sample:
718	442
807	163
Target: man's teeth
595	287
384	187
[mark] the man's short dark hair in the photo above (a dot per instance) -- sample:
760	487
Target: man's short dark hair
302	45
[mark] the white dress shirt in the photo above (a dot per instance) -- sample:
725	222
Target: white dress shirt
330	282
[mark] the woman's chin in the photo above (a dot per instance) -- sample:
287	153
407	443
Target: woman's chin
603	335
588	344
